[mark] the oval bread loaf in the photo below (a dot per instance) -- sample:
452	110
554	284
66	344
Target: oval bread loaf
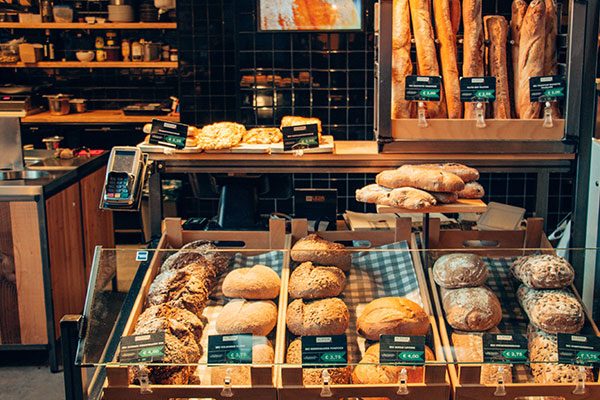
311	282
457	270
543	271
472	190
472	309
320	251
314	376
328	316
467	174
257	283
553	311
420	178
242	316
392	316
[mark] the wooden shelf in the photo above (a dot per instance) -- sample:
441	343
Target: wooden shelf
93	64
460	206
94	117
84	25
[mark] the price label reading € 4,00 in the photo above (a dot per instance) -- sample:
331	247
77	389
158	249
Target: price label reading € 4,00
324	351
401	350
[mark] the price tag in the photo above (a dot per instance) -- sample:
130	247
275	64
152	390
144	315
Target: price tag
230	349
300	137
142	348
324	351
578	349
501	348
478	89
423	88
168	134
546	88
401	350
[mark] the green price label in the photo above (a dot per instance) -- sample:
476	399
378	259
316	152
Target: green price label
557	92
308	141
175	140
238	355
588	357
515	354
429	92
411	356
485	94
334	357
151	352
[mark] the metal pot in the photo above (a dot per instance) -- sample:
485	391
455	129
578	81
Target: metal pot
58	104
79	105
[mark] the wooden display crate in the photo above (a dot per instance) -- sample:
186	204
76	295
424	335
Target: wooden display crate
436	383
263	377
510	244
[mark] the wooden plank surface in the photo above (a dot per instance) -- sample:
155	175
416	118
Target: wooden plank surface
85	25
30	278
10	331
94	116
460	206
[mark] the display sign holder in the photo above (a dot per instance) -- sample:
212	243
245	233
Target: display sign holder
421	88
547	89
480	90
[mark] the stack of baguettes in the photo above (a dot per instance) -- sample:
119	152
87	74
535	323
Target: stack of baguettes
533	52
420	186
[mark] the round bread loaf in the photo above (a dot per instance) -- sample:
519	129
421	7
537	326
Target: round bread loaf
262	353
370	372
311	282
457	270
328	316
257	283
392	316
471	309
322	252
314	376
242	316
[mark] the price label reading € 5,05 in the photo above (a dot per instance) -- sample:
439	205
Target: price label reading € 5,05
401	350
423	88
502	348
578	349
324	351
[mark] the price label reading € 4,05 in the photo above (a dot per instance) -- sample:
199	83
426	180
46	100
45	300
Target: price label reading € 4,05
504	348
578	349
146	348
401	350
324	351
423	88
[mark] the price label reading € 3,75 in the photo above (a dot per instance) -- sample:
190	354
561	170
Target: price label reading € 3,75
578	349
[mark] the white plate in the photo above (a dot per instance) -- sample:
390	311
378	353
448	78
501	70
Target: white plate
153	148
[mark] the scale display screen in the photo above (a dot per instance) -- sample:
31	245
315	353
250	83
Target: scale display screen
123	161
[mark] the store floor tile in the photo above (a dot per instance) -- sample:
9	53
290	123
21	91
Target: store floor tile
30	382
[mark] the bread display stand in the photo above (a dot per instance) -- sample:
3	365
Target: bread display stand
498	245
290	379
263	377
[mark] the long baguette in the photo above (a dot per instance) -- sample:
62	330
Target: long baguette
550	55
531	56
473	46
496	32
427	63
455	15
442	10
401	63
519	7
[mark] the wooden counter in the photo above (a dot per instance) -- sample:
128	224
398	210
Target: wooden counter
94	117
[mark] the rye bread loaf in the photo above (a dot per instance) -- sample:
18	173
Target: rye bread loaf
420	178
154	317
262	353
314	376
200	252
310	282
553	311
242	316
472	309
182	288
328	316
257	283
543	271
392	316
458	270
472	190
320	251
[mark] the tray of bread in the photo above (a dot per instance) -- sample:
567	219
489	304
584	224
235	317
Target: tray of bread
360	293
502	287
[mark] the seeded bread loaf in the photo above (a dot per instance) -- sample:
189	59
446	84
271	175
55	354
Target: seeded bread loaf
257	283
154	318
472	190
182	288
241	316
392	316
320	251
473	309
328	316
420	178
457	270
200	252
314	376
543	271
309	282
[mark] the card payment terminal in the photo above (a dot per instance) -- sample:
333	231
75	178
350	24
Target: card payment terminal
124	178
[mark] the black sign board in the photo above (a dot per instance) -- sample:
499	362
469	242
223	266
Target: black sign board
230	349
324	351
300	136
423	88
546	88
169	134
401	350
503	348
478	89
578	349
146	348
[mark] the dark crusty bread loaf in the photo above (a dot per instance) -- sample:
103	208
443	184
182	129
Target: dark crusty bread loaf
472	46
472	190
553	311
314	376
155	317
453	271
309	282
320	251
329	316
519	7
472	309
392	316
543	271
262	353
182	288
200	252
496	32
241	316
401	62
420	178
467	174
257	283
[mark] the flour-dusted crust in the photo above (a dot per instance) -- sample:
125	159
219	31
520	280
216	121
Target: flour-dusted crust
373	193
553	311
410	198
242	316
457	270
257	283
472	190
314	376
445	197
467	174
262	136
473	309
420	178
328	316
309	282
322	252
543	271
220	135
392	316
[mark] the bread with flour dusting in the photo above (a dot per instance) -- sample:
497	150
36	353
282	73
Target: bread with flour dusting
473	309
458	270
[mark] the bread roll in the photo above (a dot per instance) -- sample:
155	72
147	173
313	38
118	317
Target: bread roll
392	316
257	283
181	288
468	347
467	174
446	34
458	270
242	316
401	62
496	32
472	309
220	135
314	376
262	353
427	63
408	197
445	197
311	282
370	372
328	316
420	178
323	252
472	190
553	311
373	193
550	53
472	46
544	271
531	56
519	7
